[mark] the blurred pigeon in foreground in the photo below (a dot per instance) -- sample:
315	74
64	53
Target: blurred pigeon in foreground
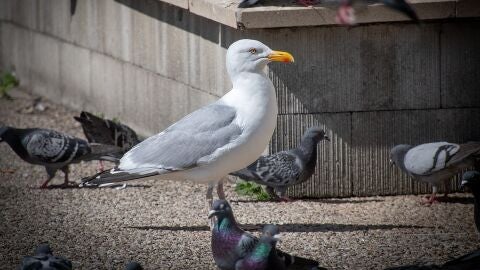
45	260
133	266
435	163
471	179
52	149
109	132
230	244
345	13
287	168
258	258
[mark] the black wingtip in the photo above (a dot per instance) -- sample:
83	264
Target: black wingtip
404	7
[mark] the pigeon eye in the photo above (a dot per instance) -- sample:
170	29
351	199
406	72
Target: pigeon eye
253	51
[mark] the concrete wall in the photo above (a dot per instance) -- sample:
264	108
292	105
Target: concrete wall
149	64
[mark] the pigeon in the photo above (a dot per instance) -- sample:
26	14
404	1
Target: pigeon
220	138
345	13
52	149
231	244
133	266
258	258
470	261
249	3
435	163
109	132
287	168
45	260
471	179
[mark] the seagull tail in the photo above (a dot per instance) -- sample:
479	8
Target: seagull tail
113	176
294	262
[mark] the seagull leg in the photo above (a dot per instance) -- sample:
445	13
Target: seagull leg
209	201
220	191
51	173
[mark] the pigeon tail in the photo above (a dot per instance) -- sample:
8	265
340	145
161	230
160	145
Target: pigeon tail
104	152
112	176
294	262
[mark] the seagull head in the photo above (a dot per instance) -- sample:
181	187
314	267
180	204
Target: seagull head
316	133
220	209
470	179
397	153
252	56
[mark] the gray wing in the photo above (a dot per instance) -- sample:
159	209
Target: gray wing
428	158
277	169
49	146
187	143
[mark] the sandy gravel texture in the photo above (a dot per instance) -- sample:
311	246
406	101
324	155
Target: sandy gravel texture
162	224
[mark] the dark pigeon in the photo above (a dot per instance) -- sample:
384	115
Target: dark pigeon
45	260
471	179
105	131
231	244
53	150
258	257
435	163
133	266
287	168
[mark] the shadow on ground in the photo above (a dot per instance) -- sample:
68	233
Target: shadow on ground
295	227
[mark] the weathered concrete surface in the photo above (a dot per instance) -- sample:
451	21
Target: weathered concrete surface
150	63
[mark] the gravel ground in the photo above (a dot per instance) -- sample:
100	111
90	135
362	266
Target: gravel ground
163	224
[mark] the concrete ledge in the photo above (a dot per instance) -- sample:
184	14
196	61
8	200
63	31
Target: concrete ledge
284	13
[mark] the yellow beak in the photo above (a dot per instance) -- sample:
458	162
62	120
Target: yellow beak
279	56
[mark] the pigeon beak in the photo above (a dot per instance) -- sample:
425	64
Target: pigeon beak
279	56
462	184
278	237
212	213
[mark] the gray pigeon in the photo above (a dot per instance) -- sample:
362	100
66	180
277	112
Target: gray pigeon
471	179
45	260
230	244
108	132
133	266
52	149
286	168
435	163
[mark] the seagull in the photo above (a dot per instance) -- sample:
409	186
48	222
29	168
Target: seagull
53	150
231	244
45	260
220	138
346	16
286	168
471	179
109	132
435	163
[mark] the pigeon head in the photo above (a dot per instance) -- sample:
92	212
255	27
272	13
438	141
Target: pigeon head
133	266
402	6
43	249
270	230
316	134
252	56
397	154
220	209
471	179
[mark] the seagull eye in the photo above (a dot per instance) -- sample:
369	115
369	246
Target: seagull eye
253	51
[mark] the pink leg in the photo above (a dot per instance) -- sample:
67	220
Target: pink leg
101	167
285	199
345	15
45	184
